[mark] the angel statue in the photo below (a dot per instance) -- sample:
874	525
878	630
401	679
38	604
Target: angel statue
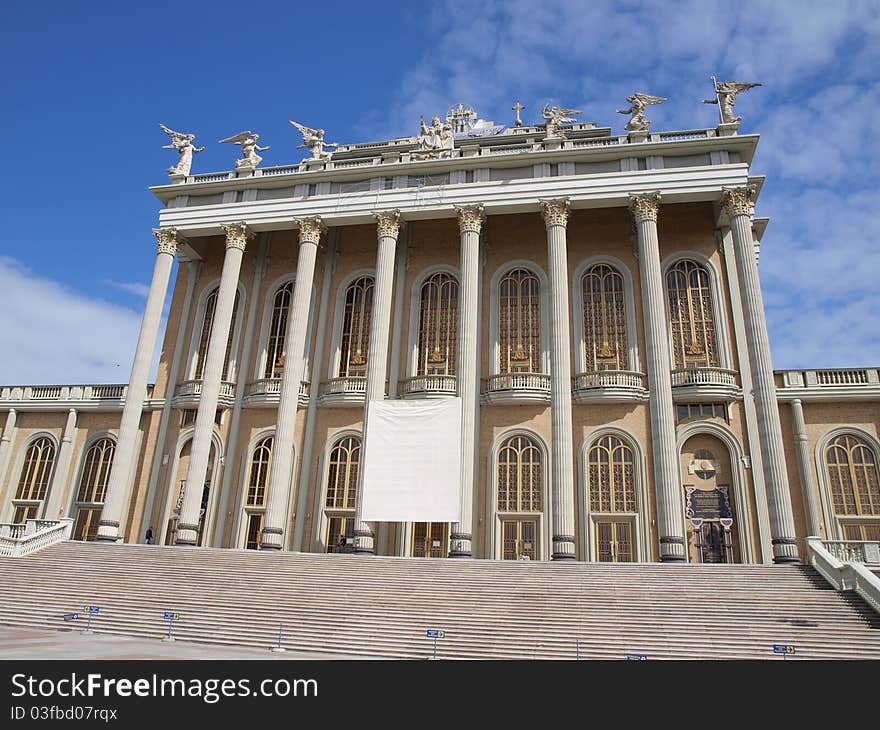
313	140
183	143
556	116
436	140
725	93
249	148
638	103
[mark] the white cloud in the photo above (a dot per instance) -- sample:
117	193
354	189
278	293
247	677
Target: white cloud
53	335
132	287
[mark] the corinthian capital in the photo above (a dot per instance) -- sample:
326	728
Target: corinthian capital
387	223
739	201
310	229
555	212
166	240
470	218
237	235
644	207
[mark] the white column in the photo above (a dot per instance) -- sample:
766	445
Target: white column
738	203
119	484
470	221
670	522
555	214
387	230
807	484
54	507
281	475
6	446
237	236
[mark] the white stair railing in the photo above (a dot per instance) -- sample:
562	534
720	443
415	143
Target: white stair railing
844	576
17	540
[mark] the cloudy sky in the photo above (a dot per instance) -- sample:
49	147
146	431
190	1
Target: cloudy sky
87	85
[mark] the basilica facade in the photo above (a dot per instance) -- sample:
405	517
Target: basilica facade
592	298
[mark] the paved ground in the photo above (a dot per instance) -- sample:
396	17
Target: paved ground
18	643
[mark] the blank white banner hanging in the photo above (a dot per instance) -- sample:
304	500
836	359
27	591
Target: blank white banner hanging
412	461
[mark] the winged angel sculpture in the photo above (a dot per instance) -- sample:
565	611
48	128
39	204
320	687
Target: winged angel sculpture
638	102
249	148
313	140
725	93
183	143
556	116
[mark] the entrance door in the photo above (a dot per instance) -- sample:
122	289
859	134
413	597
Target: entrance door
86	527
614	542
254	531
519	538
430	539
340	535
713	540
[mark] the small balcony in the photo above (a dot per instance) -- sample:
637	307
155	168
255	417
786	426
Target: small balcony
267	392
188	393
346	391
704	384
59	397
429	386
610	386
512	388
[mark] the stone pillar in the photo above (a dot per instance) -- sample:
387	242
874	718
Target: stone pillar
388	228
53	507
470	221
555	214
281	475
237	236
807	484
738	204
119	484
6	446
667	479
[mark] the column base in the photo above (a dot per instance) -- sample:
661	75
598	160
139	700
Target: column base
269	546
673	559
672	550
273	538
563	558
785	551
563	548
786	560
363	551
460	545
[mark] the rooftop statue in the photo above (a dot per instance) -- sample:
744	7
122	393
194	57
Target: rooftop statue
436	140
556	116
183	143
638	103
725	93
249	148
313	140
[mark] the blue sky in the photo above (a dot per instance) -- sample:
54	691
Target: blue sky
86	86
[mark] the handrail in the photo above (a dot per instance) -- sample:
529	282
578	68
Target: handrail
844	576
35	535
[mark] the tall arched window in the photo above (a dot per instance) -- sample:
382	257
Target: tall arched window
438	325
92	488
277	332
606	346
261	463
355	340
33	481
691	316
520	476
519	323
205	338
855	489
341	499
611	491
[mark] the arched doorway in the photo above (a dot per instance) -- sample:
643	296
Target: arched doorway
178	488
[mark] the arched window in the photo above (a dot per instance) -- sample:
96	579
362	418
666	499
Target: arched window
691	316
341	499
519	322
92	488
438	325
611	476
261	463
277	332
33	481
205	338
355	340
606	346
520	476
855	489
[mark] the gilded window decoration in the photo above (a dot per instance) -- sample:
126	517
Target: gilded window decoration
274	366
355	341
438	325
519	320
611	471
343	474
205	338
520	476
36	470
852	474
96	471
261	463
605	339
691	316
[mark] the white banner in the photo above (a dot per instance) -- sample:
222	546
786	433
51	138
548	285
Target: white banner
412	461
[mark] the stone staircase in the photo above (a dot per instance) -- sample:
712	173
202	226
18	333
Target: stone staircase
381	606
